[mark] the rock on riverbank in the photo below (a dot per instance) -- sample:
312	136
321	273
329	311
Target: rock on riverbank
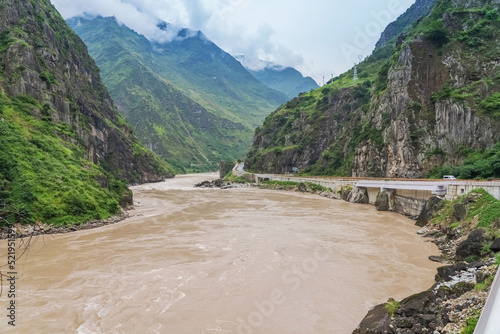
462	286
222	184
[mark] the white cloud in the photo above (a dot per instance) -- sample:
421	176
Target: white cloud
309	36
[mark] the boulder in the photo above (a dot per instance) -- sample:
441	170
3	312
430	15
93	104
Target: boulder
431	207
382	203
495	247
444	273
356	195
377	321
460	211
303	187
224	168
473	245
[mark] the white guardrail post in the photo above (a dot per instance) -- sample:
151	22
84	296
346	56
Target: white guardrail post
489	321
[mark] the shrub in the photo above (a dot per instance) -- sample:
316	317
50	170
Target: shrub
392	306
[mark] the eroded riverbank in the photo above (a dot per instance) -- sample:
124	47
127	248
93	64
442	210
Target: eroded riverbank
222	261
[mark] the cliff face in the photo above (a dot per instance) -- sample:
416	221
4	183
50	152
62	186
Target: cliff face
422	101
66	154
43	59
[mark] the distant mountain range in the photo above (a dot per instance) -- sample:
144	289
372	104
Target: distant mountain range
287	80
187	100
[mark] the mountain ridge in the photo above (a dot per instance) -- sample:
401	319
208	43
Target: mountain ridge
287	80
424	104
67	154
206	104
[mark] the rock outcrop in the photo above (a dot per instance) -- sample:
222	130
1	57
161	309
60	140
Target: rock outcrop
224	168
46	61
66	154
431	207
461	285
357	195
430	102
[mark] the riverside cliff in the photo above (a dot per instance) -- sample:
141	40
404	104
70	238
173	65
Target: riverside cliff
427	99
67	155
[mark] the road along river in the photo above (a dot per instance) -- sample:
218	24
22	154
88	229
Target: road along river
220	261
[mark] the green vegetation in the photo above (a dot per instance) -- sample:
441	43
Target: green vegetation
477	165
471	325
66	156
288	80
289	184
186	100
318	188
233	178
324	128
483	212
486	284
43	178
392	306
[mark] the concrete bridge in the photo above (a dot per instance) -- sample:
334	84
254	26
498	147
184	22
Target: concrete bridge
449	189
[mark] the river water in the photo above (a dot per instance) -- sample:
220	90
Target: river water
220	261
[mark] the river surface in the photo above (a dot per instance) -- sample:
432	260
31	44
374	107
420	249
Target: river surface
220	261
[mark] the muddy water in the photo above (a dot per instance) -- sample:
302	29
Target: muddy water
220	261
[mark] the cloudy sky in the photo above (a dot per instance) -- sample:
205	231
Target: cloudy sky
320	38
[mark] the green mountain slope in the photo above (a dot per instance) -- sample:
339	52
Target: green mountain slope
418	10
66	154
287	80
187	100
425	102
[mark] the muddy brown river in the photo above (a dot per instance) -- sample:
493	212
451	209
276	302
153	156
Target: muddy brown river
220	261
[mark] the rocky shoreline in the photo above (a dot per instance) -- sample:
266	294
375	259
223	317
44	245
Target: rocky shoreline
462	283
25	231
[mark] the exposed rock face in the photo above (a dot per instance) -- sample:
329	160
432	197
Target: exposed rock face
377	321
423	134
224	168
49	63
355	195
495	247
473	245
383	201
431	207
423	111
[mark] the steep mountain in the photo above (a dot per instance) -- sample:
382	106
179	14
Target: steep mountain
417	11
425	102
287	80
66	154
187	100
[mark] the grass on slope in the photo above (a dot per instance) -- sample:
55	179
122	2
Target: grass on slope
44	178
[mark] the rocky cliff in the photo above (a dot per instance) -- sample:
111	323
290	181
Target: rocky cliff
427	99
66	152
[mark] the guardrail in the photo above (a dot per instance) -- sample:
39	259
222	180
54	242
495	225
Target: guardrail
489	321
